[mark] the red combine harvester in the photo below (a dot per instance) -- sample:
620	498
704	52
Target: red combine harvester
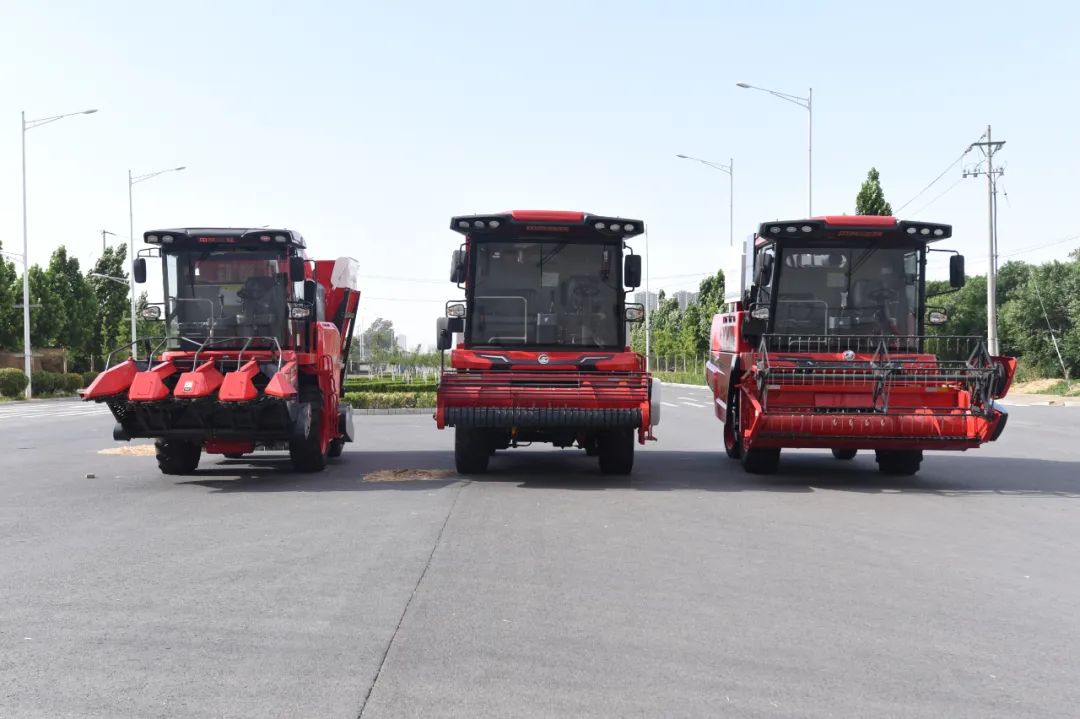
253	353
544	357
824	345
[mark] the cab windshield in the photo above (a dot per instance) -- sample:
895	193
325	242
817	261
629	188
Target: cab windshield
546	294
846	291
232	293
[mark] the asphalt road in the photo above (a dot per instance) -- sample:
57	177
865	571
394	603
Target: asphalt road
547	590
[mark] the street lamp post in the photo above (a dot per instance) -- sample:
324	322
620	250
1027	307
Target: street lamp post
28	355
808	104
132	181
730	170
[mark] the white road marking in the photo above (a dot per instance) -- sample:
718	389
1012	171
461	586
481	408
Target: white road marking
50	410
669	404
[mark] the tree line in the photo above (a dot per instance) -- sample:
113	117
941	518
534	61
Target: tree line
85	315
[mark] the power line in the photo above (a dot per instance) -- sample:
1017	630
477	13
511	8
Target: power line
933	182
947	191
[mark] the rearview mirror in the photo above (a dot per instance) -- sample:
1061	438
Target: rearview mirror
635	313
138	269
765	270
443	335
956	272
150	312
937	317
632	271
311	291
296	269
457	267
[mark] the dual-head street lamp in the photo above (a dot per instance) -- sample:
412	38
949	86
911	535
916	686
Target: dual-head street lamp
806	103
28	357
132	181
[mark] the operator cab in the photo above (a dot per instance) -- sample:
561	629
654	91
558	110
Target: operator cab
842	276
544	280
230	288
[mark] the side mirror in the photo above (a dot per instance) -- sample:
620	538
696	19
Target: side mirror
632	271
150	312
937	317
138	269
296	269
956	272
443	336
311	291
455	324
457	267
760	312
635	312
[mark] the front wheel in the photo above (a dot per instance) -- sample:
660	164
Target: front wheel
337	446
472	450
732	437
899	462
307	453
616	450
844	453
177	456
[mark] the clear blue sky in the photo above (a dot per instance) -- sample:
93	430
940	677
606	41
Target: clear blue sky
367	125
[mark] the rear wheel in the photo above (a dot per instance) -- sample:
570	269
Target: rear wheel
472	450
307	454
899	462
844	453
732	438
616	450
177	456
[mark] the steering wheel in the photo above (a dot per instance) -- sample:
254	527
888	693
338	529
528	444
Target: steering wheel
883	294
255	288
584	287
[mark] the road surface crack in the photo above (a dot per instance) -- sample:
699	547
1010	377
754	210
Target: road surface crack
405	610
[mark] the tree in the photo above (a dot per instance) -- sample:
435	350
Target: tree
871	198
74	307
378	339
10	315
113	305
45	309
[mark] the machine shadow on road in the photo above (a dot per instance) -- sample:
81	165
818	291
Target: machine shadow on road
401	471
654	471
660	471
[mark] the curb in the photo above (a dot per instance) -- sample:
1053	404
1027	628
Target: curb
396	410
685	386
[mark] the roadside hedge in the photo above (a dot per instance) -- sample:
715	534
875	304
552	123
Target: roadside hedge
365	385
88	378
13	382
390	400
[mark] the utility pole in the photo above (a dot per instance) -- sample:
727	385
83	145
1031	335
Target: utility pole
990	148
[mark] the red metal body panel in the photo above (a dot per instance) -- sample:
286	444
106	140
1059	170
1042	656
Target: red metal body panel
547	216
228	446
238	386
112	381
149	386
283	383
202	382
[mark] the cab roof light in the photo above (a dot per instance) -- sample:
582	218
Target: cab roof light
152	239
167	239
280	238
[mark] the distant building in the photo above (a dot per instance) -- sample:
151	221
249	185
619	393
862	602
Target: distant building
652	304
401	343
685	298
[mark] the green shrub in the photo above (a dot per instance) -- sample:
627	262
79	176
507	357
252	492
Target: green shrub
12	382
46	382
366	385
88	378
390	400
73	382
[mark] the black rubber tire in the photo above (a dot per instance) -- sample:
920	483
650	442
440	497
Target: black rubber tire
615	449
472	450
177	456
732	440
234	455
307	454
845	453
902	463
337	446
